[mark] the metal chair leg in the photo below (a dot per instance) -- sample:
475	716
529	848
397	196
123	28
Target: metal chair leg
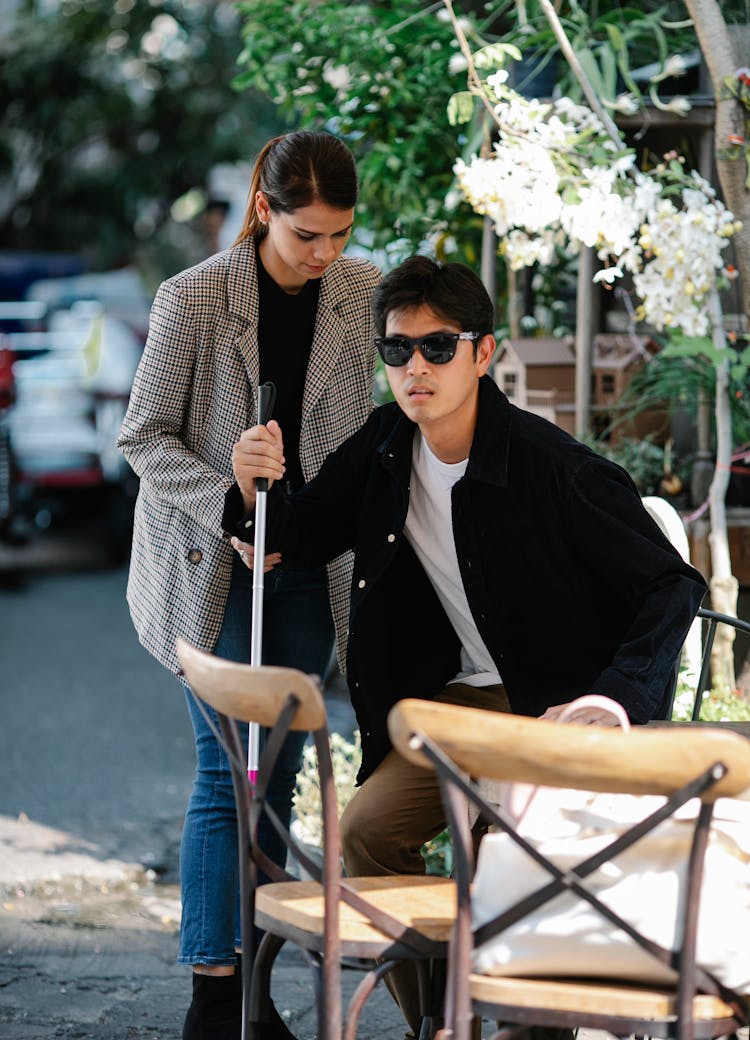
260	992
361	995
431	976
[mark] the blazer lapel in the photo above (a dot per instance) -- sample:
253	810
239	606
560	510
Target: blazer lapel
243	306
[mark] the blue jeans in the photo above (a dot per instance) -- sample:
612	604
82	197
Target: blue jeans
297	633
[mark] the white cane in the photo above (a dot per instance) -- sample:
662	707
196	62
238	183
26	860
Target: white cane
266	398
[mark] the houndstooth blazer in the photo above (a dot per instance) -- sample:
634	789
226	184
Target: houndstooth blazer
193	395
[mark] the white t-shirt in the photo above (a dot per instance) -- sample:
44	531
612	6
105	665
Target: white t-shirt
429	530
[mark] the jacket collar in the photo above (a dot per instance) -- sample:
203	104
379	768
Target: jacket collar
242	282
488	458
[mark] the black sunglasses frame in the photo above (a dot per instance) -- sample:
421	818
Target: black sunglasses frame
437	348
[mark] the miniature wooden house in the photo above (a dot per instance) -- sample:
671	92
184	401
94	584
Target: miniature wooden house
538	374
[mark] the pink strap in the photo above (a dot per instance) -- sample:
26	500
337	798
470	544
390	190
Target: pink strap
596	700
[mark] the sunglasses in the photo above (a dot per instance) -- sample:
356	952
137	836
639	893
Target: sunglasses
438	347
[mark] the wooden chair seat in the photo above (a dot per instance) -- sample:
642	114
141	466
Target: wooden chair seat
588	997
425	904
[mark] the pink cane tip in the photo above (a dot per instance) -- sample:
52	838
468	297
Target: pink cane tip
252	775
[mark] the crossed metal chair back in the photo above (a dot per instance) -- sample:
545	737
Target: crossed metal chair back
707	622
712	619
383	921
684	763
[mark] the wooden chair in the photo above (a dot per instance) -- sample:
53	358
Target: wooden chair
381	919
678	763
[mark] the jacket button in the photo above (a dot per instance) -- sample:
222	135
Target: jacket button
391	538
248	523
195	556
361	583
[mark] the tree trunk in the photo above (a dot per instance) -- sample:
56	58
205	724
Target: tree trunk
724	586
723	53
584	341
489	259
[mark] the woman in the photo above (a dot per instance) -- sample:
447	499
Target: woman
280	305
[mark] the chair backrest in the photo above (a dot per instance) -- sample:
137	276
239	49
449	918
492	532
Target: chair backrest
280	699
711	619
595	758
251	694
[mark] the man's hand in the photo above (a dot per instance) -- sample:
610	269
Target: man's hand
258	453
247	553
585	716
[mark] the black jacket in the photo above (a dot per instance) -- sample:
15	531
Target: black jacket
571	584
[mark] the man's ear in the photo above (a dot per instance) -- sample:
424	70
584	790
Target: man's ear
485	352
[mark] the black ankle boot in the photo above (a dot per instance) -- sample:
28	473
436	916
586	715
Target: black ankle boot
275	1028
216	1010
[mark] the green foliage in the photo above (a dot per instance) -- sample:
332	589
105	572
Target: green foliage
382	393
379	75
718	705
109	112
642	459
683	372
347	758
681	346
608	40
438	855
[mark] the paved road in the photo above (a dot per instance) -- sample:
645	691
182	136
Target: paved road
95	738
96	761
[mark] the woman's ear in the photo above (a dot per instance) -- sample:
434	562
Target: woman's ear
262	208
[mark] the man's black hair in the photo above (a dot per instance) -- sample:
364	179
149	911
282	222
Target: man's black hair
452	291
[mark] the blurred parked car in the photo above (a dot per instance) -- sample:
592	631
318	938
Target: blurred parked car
65	379
121	293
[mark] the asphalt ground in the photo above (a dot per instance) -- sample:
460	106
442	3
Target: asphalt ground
96	762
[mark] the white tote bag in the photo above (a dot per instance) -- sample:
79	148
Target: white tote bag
643	885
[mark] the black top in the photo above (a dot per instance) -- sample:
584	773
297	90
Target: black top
285	334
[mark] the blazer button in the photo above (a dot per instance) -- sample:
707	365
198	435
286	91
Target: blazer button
391	538
361	583
195	556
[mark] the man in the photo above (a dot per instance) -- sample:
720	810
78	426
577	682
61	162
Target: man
498	562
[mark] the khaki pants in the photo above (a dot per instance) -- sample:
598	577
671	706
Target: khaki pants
390	818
